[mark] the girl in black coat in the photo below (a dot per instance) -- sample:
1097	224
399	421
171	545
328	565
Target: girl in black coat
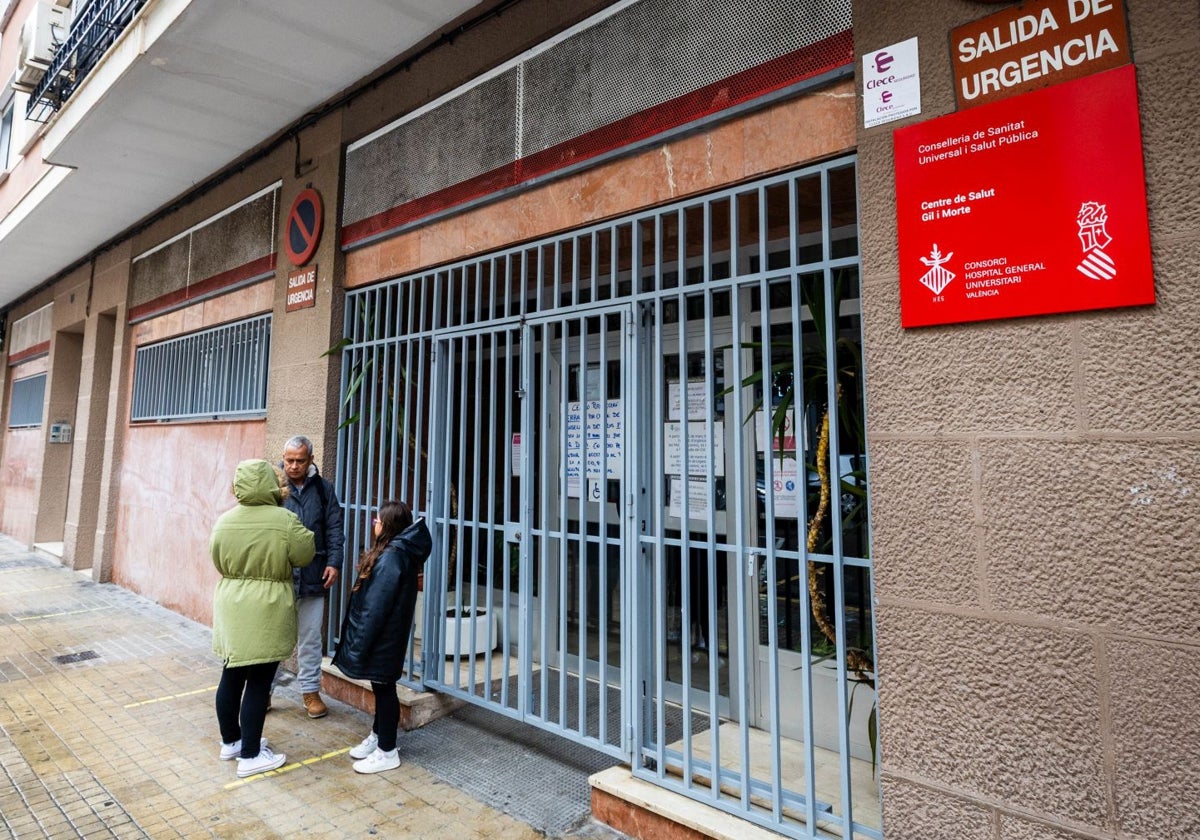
378	623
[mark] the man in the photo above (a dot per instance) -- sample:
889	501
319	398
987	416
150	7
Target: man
312	499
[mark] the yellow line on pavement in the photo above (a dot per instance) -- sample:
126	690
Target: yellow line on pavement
287	768
170	697
60	614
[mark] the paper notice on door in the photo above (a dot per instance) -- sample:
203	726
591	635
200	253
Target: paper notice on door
697	502
697	449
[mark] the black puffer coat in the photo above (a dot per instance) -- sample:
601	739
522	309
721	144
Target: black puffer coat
379	618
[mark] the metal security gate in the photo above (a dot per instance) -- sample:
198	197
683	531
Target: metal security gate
528	499
641	447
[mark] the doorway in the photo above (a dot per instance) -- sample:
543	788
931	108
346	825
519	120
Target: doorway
641	449
529	479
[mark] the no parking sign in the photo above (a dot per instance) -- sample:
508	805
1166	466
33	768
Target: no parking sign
302	233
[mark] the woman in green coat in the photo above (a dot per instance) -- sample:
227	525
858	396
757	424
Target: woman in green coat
254	546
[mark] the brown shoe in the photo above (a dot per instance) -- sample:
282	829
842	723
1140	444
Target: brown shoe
314	706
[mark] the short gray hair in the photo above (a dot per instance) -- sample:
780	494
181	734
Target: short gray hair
297	441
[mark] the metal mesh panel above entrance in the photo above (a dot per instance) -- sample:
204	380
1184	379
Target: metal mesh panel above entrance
637	70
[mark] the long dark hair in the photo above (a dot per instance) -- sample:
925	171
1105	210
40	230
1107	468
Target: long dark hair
395	516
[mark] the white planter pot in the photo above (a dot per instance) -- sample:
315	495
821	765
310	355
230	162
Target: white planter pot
458	633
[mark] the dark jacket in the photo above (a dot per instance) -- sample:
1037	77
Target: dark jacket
379	617
321	514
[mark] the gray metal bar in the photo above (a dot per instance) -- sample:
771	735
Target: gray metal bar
740	526
660	576
806	696
685	504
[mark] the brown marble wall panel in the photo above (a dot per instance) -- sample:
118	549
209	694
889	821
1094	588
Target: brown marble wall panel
71	300
111	283
20	475
242	303
636	821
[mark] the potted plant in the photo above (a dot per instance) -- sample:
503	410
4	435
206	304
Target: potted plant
848	490
465	625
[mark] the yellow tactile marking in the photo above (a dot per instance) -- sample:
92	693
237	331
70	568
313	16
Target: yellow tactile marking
170	697
60	614
287	768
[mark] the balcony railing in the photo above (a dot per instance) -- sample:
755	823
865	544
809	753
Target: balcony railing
99	24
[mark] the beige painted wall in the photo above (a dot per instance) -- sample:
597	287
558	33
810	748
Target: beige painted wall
302	397
1036	508
109	298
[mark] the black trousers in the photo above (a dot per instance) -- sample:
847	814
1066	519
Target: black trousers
387	714
242	704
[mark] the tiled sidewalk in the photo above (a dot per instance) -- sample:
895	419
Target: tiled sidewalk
107	729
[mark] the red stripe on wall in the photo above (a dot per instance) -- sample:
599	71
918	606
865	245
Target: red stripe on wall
28	353
253	270
776	74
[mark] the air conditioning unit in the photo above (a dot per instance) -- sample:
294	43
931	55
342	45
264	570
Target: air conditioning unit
43	31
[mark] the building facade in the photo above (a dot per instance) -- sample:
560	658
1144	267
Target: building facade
614	293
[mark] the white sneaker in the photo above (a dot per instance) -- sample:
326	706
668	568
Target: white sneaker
367	746
261	763
377	762
231	751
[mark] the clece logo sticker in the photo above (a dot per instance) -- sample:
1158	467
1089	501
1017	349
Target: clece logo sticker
1096	264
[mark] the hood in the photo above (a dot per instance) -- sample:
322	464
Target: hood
414	540
254	483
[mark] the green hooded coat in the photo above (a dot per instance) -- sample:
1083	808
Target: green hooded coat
254	546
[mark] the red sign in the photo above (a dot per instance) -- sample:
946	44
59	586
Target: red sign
301	289
303	232
1026	206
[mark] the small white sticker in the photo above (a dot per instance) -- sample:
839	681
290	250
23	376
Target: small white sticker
891	84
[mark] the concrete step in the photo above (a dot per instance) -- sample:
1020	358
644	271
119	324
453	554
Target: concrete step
649	812
417	708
